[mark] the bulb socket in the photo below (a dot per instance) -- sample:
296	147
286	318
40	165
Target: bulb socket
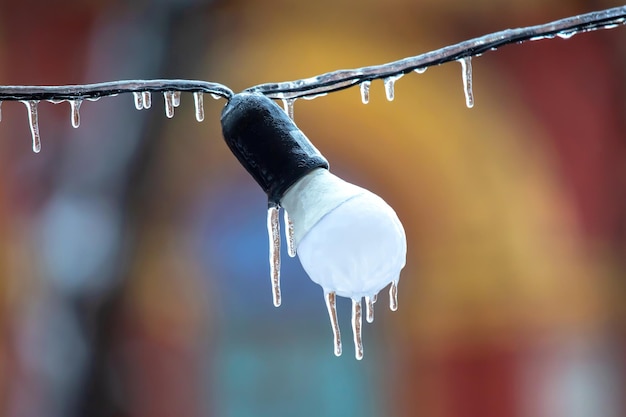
268	143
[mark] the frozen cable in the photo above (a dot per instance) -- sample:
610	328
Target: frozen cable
336	80
96	91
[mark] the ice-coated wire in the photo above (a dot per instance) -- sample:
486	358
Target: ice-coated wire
341	79
335	80
94	91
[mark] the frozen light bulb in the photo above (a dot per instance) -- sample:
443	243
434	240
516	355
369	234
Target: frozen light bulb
348	240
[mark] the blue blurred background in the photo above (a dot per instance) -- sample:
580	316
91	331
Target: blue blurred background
133	250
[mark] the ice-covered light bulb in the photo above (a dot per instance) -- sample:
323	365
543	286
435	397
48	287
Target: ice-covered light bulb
349	240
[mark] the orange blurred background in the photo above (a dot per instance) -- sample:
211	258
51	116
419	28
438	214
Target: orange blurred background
133	263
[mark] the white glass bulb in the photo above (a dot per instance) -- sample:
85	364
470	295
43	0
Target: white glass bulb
349	241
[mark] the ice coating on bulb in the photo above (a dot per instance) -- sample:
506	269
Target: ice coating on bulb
349	240
356	249
466	68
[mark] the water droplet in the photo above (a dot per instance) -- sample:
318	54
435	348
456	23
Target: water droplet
314	96
169	105
288	106
289	232
369	309
147	99
75	112
55	101
138	97
93	98
393	296
331	306
176	98
198	99
357	324
466	67
567	34
215	96
420	70
33	120
273	231
389	86
365	91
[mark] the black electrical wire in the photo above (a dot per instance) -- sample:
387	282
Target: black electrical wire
335	80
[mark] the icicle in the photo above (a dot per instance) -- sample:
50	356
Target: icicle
75	112
216	96
393	296
291	243
356	328
33	119
0	111
176	98
198	99
374	298
147	99
420	70
288	105
273	230
169	103
466	66
389	90
365	91
331	306
389	86
369	309
138	97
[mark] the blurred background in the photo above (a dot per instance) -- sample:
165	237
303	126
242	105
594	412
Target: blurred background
133	262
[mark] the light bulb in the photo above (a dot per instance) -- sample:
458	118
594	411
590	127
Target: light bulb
348	240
